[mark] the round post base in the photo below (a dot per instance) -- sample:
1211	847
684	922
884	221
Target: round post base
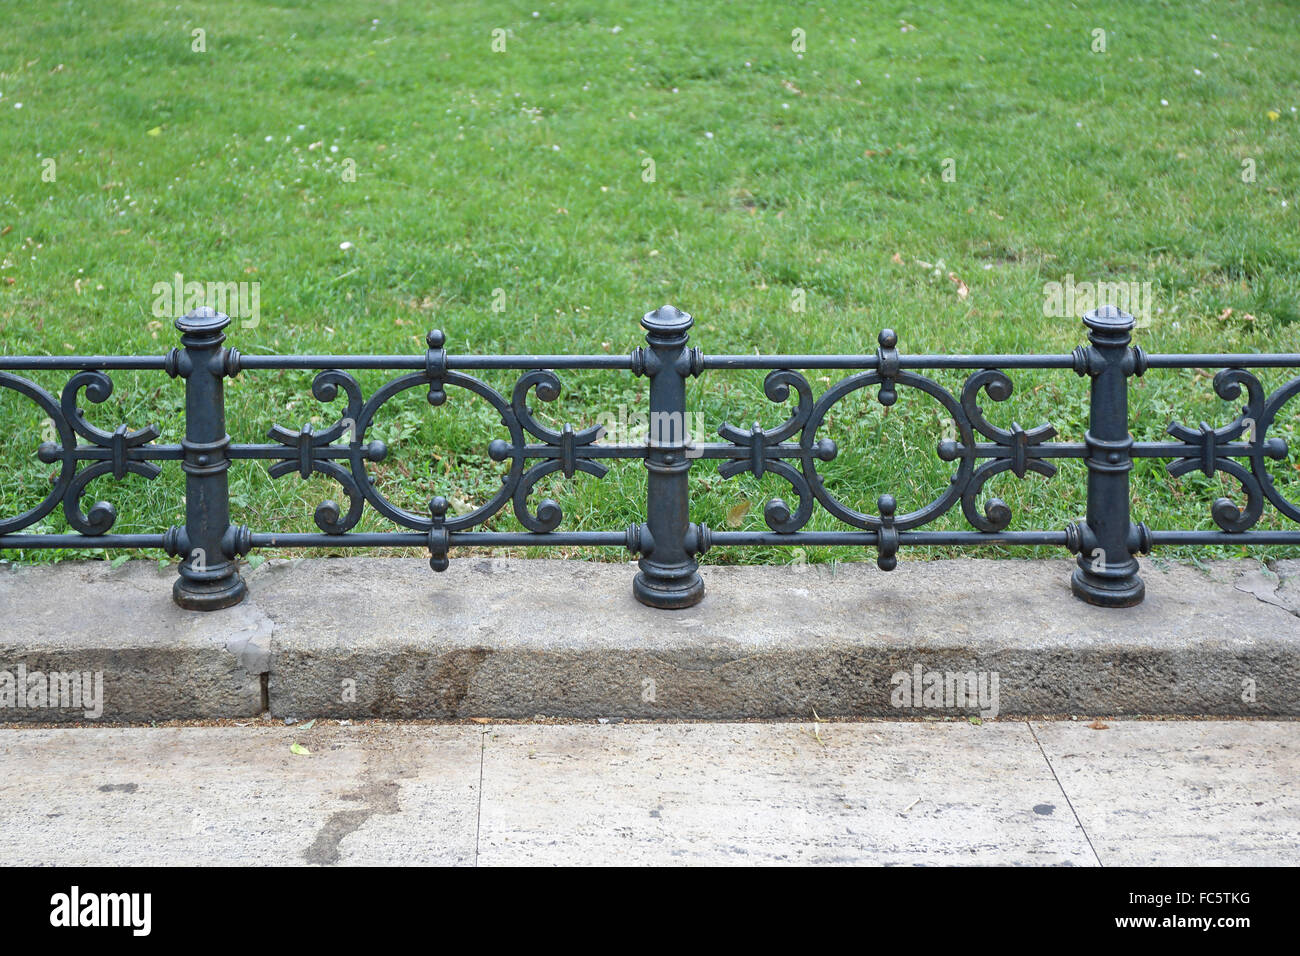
1107	592
669	593
209	595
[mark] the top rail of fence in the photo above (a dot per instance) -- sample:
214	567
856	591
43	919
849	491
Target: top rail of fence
416	362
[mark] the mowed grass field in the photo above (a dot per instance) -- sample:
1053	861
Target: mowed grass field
796	176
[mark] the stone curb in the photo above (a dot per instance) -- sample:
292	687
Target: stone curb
117	629
385	637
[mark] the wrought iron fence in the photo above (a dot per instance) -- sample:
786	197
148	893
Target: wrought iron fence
667	543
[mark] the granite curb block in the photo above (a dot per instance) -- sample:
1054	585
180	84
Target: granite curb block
118	629
506	638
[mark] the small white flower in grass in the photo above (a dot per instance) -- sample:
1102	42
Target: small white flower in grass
301	126
708	136
674	89
616	29
1196	71
746	63
1078	125
785	106
345	246
556	148
536	14
1164	102
857	82
268	139
18	106
334	149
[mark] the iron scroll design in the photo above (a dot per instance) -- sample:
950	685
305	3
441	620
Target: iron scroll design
1011	449
561	451
1214	449
666	543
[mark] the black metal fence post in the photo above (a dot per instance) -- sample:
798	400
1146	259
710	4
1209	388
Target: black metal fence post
1107	540
669	575
209	577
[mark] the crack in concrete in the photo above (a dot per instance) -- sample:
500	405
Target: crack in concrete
251	643
1265	585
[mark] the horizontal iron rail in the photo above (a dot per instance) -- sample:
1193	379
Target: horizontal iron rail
33	363
1014	361
70	363
667	544
614	539
709	450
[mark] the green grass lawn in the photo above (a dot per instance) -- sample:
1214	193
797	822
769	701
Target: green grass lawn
777	174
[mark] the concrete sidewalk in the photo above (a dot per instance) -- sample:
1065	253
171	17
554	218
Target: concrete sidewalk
1010	792
386	637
